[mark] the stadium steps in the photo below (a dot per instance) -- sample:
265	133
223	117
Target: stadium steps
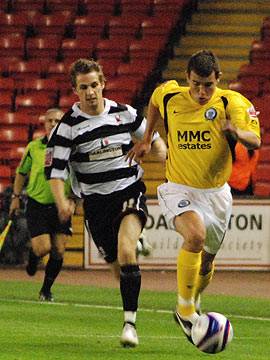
227	28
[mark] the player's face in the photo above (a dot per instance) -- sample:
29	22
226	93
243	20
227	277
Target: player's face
51	120
202	88
89	89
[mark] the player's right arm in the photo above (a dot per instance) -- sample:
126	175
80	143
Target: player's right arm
143	147
17	190
64	205
22	171
56	167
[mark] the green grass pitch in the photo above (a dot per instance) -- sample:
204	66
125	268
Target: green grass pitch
85	323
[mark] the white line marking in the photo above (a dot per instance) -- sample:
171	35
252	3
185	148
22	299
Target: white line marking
108	307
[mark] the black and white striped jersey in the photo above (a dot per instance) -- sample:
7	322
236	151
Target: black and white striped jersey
93	149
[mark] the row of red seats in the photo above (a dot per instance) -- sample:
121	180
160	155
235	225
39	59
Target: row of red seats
253	81
64	24
82	7
54	48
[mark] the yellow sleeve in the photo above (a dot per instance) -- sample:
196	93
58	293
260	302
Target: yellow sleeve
161	91
243	114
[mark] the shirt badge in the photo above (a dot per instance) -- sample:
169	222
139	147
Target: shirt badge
183	203
210	114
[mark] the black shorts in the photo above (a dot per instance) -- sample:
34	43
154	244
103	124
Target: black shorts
43	219
103	215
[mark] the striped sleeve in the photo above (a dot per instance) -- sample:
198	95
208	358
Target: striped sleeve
58	152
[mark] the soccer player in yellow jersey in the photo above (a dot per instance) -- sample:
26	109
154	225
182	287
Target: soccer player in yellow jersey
202	122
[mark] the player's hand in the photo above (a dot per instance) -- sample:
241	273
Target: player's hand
139	150
14	206
66	210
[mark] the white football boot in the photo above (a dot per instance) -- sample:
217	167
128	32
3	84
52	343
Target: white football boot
129	336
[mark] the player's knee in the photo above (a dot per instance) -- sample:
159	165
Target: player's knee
126	255
41	249
196	239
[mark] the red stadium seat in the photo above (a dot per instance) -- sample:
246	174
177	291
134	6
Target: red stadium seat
48	87
259	70
265	28
18	119
53	6
138	7
5	175
171	9
12	45
66	101
264	154
261	188
112	49
262	179
34	103
13	23
249	87
72	49
28	69
22	5
122	89
145	49
109	67
43	47
14	156
262	105
11	136
260	51
124	26
88	24
7	85
136	70
154	28
6	102
54	24
58	71
99	7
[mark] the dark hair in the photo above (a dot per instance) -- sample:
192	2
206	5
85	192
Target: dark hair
203	63
85	66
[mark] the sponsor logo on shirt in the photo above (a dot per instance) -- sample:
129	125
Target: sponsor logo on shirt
106	153
189	139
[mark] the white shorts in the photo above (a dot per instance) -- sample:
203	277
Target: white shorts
214	206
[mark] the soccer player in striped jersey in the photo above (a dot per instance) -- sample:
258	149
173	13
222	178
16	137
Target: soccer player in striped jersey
202	123
92	140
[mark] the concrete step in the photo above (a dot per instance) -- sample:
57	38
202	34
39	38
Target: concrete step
250	30
228	19
224	52
237	6
226	65
207	41
180	75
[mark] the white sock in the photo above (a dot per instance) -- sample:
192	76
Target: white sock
130	316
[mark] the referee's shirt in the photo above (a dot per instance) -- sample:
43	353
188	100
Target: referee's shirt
94	147
32	164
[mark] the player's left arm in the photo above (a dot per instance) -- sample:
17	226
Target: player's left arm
242	123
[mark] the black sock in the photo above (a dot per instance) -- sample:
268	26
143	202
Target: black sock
52	269
130	285
33	258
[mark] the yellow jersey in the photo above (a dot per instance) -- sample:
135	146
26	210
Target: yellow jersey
198	151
